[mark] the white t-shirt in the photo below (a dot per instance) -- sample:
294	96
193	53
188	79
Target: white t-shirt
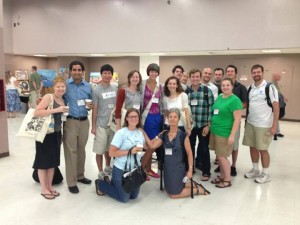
213	88
180	102
11	84
260	114
125	139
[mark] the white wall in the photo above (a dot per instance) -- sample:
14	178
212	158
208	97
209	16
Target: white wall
91	26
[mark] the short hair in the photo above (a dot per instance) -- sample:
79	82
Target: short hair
256	66
139	125
76	63
178	89
219	69
232	66
174	110
192	71
177	67
107	67
59	79
153	67
130	74
227	78
34	68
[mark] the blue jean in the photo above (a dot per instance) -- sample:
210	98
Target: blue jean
203	156
115	190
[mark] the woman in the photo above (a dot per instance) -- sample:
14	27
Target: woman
13	103
178	159
225	122
175	98
47	155
129	137
151	113
129	97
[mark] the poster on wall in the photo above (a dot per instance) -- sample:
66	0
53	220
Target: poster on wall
24	87
21	74
47	77
63	72
95	77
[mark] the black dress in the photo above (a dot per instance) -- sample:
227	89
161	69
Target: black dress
48	153
174	165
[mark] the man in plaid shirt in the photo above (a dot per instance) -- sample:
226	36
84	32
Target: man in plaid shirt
201	100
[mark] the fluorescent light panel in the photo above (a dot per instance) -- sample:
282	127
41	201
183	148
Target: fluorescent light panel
97	54
271	51
39	55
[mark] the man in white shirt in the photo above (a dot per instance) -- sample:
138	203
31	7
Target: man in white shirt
261	124
206	77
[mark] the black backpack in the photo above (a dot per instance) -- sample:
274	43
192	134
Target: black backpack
267	92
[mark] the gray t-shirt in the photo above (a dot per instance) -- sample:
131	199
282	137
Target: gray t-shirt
132	100
105	99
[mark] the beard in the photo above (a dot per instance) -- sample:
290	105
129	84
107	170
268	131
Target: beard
257	78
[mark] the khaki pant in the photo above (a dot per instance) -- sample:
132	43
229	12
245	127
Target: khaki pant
33	97
75	137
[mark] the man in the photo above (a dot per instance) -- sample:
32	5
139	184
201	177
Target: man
219	73
206	77
261	124
35	86
201	100
240	91
178	72
184	78
76	127
276	77
104	101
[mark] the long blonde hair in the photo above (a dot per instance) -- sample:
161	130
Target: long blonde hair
7	77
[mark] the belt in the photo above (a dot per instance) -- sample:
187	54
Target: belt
77	118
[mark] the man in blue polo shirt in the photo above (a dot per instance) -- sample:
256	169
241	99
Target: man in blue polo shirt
76	127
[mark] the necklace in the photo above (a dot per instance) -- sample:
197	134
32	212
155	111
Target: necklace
59	100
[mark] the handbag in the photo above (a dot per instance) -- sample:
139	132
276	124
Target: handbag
37	127
183	117
112	119
132	178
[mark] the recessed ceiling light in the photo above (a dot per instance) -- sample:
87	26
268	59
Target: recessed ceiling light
158	53
271	51
97	54
39	55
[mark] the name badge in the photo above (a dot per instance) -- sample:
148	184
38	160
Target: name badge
254	98
216	111
111	106
155	100
107	95
194	102
136	106
168	151
80	102
63	118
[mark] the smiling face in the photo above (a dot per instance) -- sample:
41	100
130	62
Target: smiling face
218	75
206	75
257	75
132	119
153	74
178	73
76	73
173	119
59	89
135	79
184	78
226	87
230	73
172	85
195	78
106	76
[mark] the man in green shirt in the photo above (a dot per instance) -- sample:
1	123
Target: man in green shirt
35	85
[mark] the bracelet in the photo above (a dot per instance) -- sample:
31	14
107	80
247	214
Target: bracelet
156	137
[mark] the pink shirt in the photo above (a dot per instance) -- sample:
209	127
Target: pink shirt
154	109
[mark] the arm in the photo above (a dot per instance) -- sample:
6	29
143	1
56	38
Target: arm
185	105
237	114
275	117
116	152
40	87
94	118
119	105
152	144
189	153
42	111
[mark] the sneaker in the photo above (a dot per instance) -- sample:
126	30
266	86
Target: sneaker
153	174
108	170
252	174
103	176
217	170
263	178
275	137
233	172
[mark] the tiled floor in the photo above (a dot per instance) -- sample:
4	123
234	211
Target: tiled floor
246	202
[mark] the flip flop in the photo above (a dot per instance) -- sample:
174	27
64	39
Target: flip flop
224	184
55	193
47	196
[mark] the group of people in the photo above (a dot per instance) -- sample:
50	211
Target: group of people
152	117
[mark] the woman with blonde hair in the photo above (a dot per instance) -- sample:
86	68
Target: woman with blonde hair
13	103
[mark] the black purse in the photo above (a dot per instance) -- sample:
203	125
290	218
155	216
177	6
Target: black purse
132	178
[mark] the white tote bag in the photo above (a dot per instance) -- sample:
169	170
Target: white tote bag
37	127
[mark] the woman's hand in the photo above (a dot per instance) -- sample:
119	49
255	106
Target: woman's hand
136	149
62	109
188	132
205	130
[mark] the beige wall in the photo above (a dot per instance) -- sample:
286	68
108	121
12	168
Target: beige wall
288	64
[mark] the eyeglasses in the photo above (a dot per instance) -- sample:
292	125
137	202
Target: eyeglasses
132	117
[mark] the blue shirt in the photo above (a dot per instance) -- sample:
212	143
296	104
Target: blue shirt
124	140
76	92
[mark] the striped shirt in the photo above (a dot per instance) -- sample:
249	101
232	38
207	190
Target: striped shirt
201	106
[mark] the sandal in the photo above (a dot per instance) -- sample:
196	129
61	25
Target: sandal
216	162
48	196
217	180
55	193
224	184
205	177
98	192
198	186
